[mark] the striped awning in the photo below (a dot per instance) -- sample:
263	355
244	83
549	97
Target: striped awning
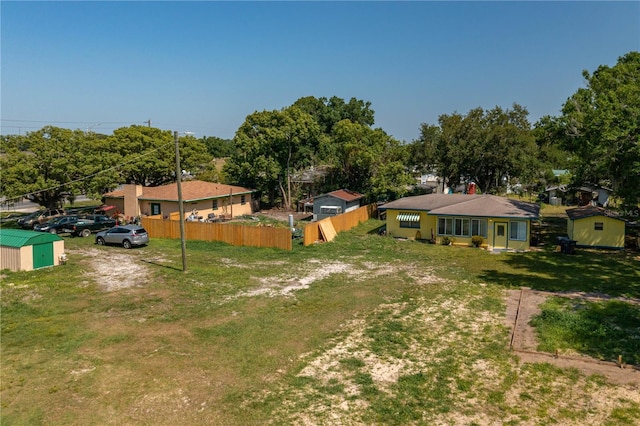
408	217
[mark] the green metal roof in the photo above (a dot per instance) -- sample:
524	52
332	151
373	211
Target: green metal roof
20	238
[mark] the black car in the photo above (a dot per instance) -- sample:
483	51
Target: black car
56	225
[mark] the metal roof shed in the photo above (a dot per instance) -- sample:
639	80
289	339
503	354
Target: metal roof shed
22	250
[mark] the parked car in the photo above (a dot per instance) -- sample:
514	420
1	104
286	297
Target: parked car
41	216
88	224
56	225
27	220
126	235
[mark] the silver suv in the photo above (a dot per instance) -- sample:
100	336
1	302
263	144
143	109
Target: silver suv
126	235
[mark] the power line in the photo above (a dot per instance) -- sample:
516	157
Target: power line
66	122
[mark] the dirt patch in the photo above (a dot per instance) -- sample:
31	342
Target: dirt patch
287	284
316	270
283	215
116	270
523	305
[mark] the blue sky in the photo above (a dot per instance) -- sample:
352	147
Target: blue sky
202	67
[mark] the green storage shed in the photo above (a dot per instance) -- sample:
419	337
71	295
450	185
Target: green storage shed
22	250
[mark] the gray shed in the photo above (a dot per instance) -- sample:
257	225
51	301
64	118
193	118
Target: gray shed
335	203
22	250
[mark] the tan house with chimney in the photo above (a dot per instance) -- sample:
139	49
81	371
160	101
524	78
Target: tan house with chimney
205	197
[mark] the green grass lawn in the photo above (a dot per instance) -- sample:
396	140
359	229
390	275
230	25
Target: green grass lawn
363	330
603	330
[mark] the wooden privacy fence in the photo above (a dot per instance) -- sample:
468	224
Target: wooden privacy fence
326	229
230	233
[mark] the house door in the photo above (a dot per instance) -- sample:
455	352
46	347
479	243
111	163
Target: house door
500	235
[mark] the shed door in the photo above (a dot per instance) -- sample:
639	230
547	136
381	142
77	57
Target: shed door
42	255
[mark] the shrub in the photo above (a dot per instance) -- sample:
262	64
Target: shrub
446	241
477	240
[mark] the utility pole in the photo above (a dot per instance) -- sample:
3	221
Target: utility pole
148	123
180	204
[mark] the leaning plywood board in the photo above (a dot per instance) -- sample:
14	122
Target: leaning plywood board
327	230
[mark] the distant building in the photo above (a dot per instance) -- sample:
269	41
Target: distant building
204	197
593	195
335	203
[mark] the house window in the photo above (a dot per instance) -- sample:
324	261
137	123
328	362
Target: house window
445	226
333	210
214	204
243	200
598	226
155	209
461	227
408	224
479	227
518	230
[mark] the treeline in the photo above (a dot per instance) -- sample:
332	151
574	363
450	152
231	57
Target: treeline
335	142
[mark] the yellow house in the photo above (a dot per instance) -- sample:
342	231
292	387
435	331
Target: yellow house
204	197
503	223
594	227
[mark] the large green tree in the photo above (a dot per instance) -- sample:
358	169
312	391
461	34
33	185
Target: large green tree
273	145
218	147
53	164
270	147
329	112
601	128
147	154
369	161
487	147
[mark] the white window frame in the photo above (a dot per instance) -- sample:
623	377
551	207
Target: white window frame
447	230
516	236
481	226
332	210
459	222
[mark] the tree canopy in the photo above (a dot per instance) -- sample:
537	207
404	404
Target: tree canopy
270	146
218	147
147	154
273	145
369	161
486	147
52	165
329	112
600	125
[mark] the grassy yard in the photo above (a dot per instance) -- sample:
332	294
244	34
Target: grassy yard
363	330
